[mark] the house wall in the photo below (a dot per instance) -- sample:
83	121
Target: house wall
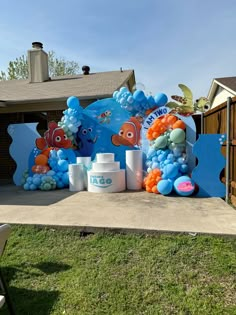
221	97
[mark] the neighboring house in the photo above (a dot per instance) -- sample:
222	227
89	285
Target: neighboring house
43	99
221	89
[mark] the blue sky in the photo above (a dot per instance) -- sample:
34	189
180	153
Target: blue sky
166	42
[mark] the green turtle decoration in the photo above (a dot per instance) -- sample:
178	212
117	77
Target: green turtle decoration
186	106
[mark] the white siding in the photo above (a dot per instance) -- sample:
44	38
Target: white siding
221	97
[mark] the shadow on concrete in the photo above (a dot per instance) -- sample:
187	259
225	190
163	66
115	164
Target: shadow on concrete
16	195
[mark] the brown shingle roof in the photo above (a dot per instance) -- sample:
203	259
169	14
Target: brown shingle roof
229	82
94	85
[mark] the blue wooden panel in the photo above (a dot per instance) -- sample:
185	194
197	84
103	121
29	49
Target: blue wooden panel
210	163
23	142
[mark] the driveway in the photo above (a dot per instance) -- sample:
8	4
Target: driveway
130	211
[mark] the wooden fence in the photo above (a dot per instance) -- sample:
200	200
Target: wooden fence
214	121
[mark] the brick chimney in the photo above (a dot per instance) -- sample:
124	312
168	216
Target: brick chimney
37	63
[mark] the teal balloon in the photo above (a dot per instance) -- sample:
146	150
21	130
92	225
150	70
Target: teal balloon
160	142
177	135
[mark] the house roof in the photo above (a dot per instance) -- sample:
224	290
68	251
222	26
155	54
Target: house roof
228	83
94	85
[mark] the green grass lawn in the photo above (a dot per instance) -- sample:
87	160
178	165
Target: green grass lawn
57	271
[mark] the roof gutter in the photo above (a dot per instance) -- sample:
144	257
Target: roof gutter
52	100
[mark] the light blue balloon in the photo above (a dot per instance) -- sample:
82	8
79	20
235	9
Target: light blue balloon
130	99
124	89
165	187
155	165
155	159
115	94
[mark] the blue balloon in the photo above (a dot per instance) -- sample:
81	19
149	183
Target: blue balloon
151	101
62	165
60	184
170	170
155	159
33	187
184	186
73	102
51	173
164	187
161	157
139	96
26	186
37	181
184	168
65	179
160	99
61	154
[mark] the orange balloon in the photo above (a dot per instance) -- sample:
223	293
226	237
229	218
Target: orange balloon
154	189
41	159
179	124
40	169
155	134
171	119
156	171
46	152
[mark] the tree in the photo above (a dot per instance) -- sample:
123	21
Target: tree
18	69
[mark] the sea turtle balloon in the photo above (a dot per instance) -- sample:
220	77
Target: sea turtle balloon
186	106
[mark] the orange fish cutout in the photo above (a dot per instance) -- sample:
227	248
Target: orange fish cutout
54	137
129	134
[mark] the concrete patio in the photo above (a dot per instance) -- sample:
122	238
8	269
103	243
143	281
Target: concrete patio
127	211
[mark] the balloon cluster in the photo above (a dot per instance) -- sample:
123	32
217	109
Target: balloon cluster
71	120
59	165
50	171
40	181
138	104
166	158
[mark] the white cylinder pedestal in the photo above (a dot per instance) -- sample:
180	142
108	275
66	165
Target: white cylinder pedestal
85	160
76	177
134	169
106	182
